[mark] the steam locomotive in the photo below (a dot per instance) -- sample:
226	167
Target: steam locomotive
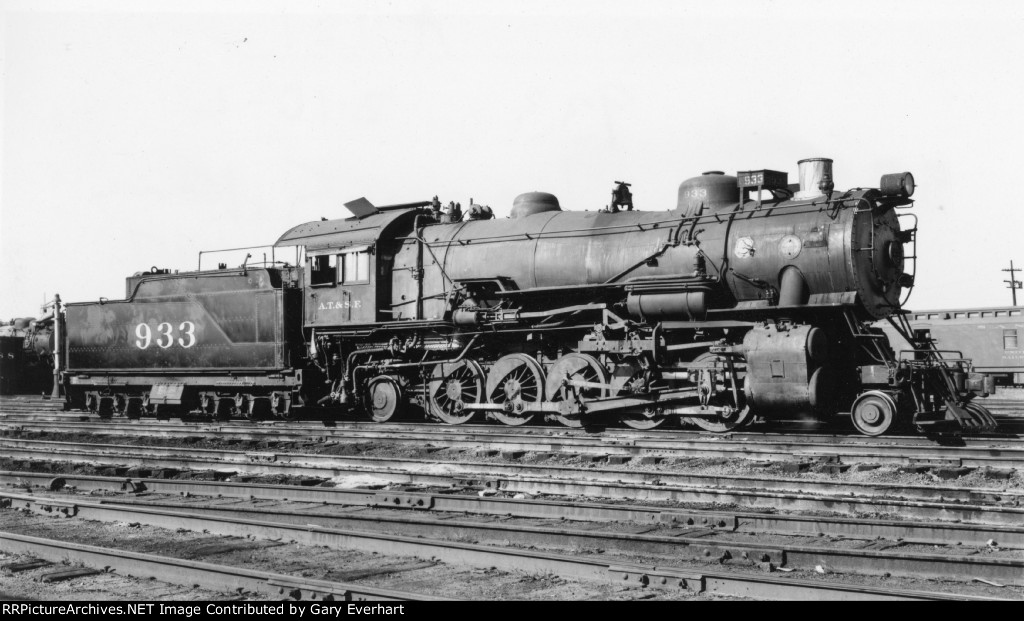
751	297
26	355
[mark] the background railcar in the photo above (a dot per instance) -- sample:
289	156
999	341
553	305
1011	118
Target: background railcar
992	337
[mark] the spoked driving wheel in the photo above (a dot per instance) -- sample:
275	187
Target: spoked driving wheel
642	421
515	380
631	378
733	412
452	386
591	378
873	413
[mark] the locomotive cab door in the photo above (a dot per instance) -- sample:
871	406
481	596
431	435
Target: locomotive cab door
342	287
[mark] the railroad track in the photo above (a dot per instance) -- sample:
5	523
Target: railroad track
468	501
912	502
976	453
190	572
1010	425
291	430
1008	412
580	566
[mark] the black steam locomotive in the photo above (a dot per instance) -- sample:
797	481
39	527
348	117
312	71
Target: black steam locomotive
751	297
26	355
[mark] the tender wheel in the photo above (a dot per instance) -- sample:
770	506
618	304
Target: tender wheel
515	379
873	413
578	367
258	408
224	408
247	407
383	399
720	395
453	385
133	408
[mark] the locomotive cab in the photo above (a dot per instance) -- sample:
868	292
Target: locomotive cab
348	269
341	287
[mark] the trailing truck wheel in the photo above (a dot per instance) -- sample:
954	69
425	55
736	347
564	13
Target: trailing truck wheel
575	367
453	385
873	413
383	399
515	380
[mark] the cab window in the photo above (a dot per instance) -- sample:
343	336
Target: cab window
323	269
355	267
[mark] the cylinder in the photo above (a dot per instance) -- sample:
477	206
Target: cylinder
815	177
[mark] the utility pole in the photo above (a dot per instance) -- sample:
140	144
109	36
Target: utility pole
1013	284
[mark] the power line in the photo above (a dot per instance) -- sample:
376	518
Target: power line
1013	284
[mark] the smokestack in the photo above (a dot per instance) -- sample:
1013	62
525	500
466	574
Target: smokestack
815	177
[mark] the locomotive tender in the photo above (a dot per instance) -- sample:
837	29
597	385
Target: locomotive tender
751	297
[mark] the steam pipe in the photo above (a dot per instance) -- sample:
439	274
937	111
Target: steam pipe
404	365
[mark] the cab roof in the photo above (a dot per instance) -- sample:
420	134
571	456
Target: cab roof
345	232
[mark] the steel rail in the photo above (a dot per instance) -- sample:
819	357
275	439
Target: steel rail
650	486
505	558
1010	428
344	428
771	449
447	502
792	430
321	465
189	572
705	547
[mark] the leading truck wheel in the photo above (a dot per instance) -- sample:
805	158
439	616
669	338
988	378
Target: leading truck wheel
452	386
873	413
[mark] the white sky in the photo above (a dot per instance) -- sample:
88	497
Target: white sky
138	133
